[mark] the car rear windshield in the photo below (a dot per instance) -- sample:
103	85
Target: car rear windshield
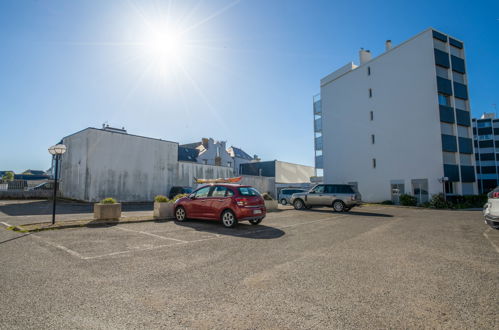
248	191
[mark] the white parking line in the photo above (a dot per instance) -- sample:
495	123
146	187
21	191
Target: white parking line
149	234
74	253
5	224
487	237
178	242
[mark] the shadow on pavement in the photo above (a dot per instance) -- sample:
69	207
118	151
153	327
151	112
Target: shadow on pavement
8	240
45	207
241	230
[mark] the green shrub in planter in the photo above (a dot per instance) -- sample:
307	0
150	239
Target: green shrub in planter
387	202
267	197
179	196
161	199
408	200
438	202
108	200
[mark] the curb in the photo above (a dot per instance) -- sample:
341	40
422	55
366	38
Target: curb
38	227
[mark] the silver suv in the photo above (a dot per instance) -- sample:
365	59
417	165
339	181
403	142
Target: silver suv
342	197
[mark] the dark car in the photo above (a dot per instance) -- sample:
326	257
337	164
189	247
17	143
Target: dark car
179	190
228	203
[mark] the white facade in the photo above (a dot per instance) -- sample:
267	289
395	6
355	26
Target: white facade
240	157
290	173
213	152
381	126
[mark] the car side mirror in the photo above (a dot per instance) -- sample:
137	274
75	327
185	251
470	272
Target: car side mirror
311	192
192	196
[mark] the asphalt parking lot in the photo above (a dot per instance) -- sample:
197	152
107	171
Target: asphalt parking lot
375	267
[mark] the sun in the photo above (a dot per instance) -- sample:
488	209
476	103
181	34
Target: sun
166	45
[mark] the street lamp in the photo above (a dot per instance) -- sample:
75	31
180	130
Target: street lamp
56	151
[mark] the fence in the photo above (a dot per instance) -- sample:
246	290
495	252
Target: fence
26	189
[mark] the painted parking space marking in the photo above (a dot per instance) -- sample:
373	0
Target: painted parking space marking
5	224
149	234
485	234
175	241
61	247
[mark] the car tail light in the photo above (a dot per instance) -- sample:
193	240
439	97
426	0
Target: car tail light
353	197
495	194
241	201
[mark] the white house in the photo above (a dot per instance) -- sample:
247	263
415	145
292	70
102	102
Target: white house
400	122
240	157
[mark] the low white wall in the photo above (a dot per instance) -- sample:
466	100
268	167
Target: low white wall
187	171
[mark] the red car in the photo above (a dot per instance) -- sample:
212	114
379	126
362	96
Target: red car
229	203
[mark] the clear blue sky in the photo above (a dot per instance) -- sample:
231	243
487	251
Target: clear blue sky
244	72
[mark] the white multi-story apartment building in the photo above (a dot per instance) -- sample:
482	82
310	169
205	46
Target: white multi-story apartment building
486	140
398	123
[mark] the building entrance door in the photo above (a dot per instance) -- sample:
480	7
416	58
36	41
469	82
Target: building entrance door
420	190
397	190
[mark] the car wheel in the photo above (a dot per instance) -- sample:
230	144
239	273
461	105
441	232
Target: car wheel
347	209
283	201
255	221
180	214
339	206
298	204
229	219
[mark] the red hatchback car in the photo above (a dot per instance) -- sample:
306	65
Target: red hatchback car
229	203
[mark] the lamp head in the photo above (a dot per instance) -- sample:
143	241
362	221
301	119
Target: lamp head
58	149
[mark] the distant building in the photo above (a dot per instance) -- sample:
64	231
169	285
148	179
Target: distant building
486	140
398	123
211	152
240	157
283	172
188	154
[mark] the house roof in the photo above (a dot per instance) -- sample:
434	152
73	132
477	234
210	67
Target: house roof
187	154
239	153
34	172
30	177
191	145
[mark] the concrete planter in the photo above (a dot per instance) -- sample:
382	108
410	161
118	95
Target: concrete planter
107	211
271	205
163	210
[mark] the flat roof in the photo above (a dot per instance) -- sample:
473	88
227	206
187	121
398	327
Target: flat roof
113	132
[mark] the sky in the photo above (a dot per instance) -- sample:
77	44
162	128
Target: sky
240	71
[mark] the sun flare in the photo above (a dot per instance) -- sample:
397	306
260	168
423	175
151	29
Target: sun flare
166	45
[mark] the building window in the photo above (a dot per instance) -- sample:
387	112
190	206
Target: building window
444	100
372	115
461	104
370	92
368	70
485	137
482	124
374	162
442	72
449	187
373	139
229	164
205	161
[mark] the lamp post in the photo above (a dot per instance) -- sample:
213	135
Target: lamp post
56	151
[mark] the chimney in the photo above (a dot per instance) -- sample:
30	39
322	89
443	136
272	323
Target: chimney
388	45
364	55
205	142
